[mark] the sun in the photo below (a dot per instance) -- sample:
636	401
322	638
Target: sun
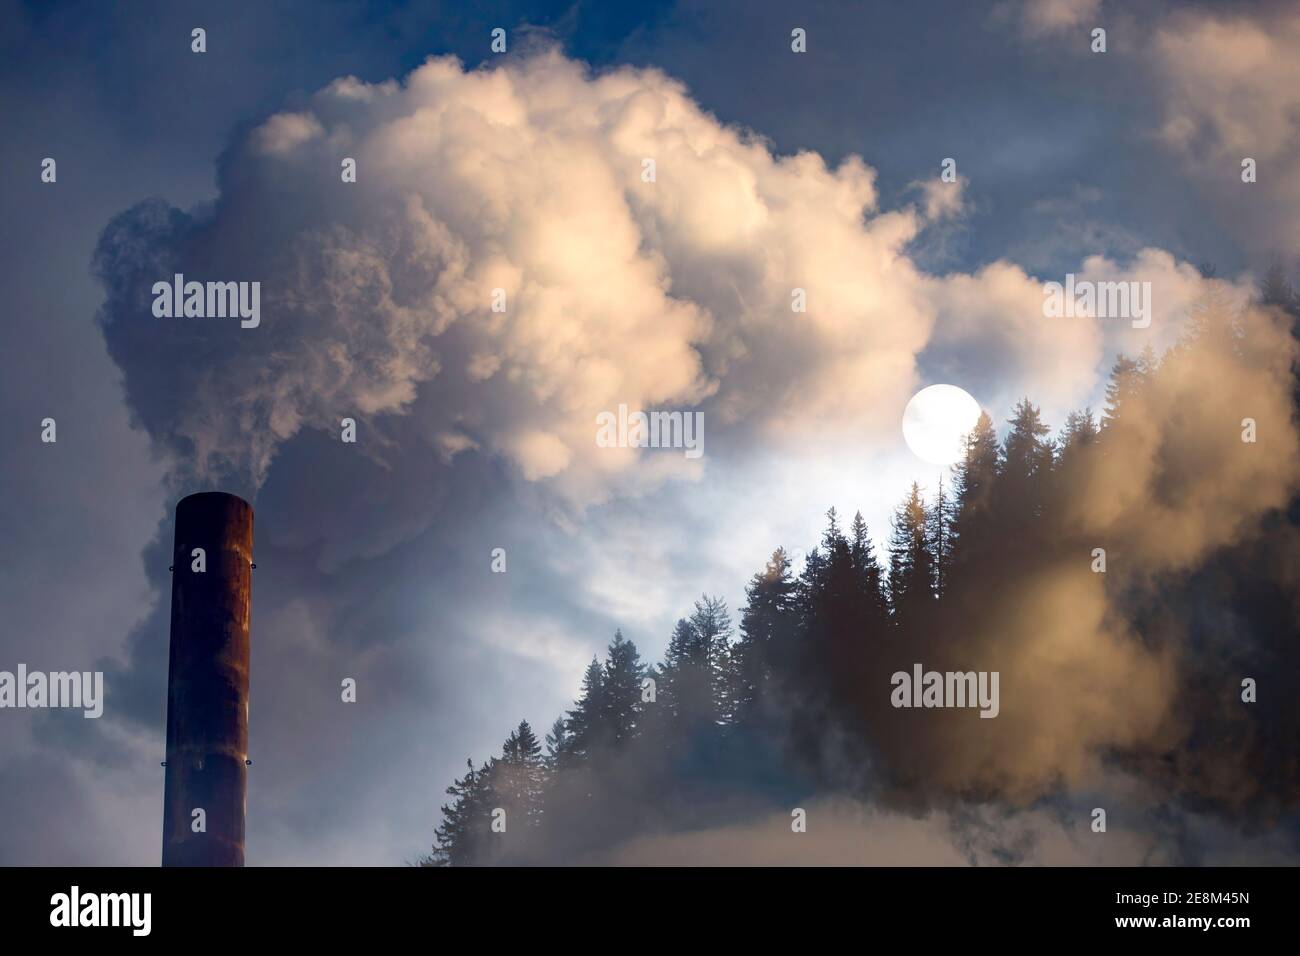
936	421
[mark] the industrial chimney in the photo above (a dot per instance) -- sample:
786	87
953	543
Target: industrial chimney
207	682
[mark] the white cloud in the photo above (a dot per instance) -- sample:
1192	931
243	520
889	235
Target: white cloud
285	132
1231	89
527	178
1040	17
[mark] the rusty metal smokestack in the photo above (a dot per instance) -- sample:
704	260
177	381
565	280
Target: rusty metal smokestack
207	682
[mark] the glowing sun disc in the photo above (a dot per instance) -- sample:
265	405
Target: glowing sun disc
936	421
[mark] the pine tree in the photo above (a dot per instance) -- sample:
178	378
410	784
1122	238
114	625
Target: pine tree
766	626
585	723
938	525
682	680
970	530
836	580
558	744
1025	467
911	563
870	578
517	778
712	625
694	674
1120	389
460	838
806	587
621	690
1080	430
1026	453
833	621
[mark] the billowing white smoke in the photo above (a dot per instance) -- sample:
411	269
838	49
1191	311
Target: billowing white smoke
529	179
529	185
532	178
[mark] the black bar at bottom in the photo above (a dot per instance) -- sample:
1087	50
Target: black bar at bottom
676	907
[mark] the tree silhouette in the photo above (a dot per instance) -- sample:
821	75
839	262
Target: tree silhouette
620	692
767	624
911	562
585	727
